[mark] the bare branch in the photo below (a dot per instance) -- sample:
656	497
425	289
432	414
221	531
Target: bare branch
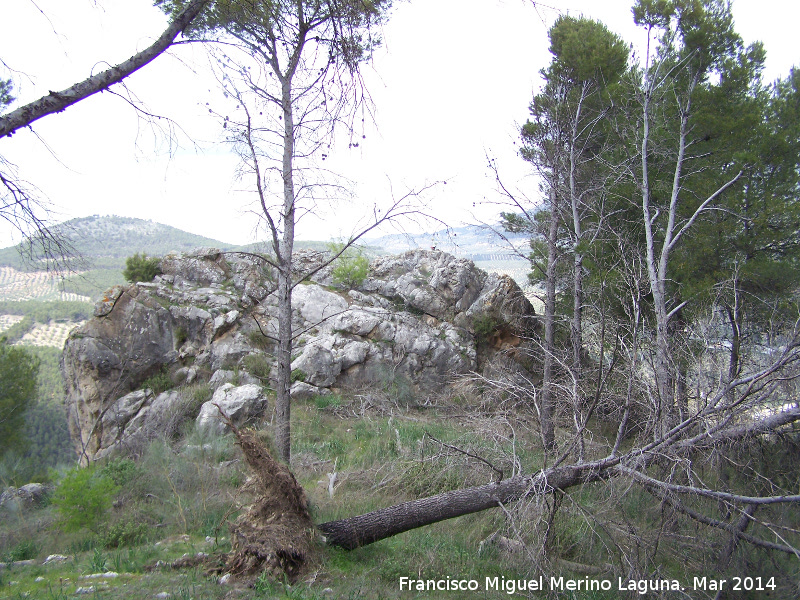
55	102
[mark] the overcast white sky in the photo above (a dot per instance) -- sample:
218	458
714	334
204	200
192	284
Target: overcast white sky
451	84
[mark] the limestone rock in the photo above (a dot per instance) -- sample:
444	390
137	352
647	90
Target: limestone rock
136	418
25	497
240	404
210	315
223	376
304	391
111	355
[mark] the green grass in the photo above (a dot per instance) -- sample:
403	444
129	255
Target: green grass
382	456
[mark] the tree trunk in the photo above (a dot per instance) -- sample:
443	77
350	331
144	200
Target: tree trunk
734	362
577	289
576	328
656	271
282	398
379	524
362	530
55	102
678	336
546	406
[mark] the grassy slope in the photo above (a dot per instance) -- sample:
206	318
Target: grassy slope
383	455
377	461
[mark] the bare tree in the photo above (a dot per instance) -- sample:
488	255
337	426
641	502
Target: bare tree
712	425
293	70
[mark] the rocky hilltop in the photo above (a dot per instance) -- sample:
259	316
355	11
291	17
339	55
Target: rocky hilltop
206	325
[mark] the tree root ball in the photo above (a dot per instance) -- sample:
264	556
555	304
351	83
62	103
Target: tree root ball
276	535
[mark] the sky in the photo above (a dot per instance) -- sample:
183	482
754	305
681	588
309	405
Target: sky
450	85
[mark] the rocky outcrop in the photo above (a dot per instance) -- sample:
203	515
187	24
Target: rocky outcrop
208	320
28	496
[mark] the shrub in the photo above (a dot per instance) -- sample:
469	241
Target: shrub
24	550
351	268
121	471
198	394
484	326
257	365
125	533
181	335
259	340
298	375
159	382
82	498
141	268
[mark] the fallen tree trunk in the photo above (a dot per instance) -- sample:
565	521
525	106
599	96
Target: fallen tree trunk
365	529
276	533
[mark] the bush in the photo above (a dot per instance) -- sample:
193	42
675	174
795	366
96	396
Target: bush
485	326
82	498
141	268
351	268
121	471
125	533
181	335
257	365
259	340
159	382
24	550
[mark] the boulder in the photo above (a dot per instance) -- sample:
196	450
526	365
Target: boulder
25	497
111	355
135	418
223	376
304	391
240	404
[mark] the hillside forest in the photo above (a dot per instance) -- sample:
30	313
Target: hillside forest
638	438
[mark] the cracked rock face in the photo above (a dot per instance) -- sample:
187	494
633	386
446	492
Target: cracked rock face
202	322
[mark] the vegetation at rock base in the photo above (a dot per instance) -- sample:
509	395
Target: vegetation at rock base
18	371
382	456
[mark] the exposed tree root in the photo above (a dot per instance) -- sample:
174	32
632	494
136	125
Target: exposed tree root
276	534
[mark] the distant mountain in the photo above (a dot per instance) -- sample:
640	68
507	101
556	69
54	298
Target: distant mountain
477	243
107	241
101	245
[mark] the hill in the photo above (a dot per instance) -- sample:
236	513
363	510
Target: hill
106	241
101	245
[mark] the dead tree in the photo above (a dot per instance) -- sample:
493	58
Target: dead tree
293	69
365	529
